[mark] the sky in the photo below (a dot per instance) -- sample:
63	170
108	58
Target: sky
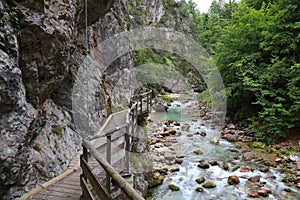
203	5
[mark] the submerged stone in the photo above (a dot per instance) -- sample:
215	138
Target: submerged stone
198	152
209	185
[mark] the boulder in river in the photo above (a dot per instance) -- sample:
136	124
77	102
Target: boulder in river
200	179
203	165
233	180
224	166
202	113
263	193
213	163
155	181
247	156
174	187
268	190
244	169
254	178
175	169
264	169
209	185
179	161
168	156
198	152
214	140
199	189
298	165
253	194
230	137
185	127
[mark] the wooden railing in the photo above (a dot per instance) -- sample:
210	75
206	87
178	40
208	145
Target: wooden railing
94	188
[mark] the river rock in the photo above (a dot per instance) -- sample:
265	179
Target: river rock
255	144
203	134
203	165
263	193
244	169
209	185
155	140
168	156
254	178
179	161
198	152
202	113
230	137
253	194
266	189
169	131
287	189
176	123
233	180
164	170
175	169
224	166
213	163
174	187
155	181
247	156
214	140
200	179
264	169
234	168
298	165
185	127
199	189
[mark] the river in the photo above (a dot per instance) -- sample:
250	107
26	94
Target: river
214	151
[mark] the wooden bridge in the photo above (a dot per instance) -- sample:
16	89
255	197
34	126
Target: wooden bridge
97	172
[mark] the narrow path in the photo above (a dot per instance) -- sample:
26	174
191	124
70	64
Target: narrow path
68	188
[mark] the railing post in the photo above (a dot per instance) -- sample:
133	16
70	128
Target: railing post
127	148
148	102
108	158
141	104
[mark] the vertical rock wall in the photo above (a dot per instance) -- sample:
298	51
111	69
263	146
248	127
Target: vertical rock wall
40	49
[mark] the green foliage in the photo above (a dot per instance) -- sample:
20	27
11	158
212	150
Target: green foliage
256	45
14	19
59	130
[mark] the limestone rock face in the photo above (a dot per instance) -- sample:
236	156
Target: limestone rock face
40	42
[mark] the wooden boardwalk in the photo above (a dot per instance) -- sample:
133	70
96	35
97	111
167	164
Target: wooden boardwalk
111	148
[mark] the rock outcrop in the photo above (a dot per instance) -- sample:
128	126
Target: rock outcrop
40	46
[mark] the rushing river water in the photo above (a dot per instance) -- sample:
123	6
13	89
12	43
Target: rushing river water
187	142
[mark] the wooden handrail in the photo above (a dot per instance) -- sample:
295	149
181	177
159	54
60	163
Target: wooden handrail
118	179
136	110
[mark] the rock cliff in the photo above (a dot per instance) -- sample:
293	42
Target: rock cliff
42	45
